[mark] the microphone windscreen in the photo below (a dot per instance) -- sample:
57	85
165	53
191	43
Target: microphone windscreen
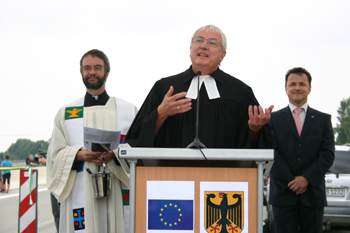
199	73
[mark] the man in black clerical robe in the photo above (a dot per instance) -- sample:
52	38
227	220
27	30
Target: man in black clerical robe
229	114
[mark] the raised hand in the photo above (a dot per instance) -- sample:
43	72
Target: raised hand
258	118
172	105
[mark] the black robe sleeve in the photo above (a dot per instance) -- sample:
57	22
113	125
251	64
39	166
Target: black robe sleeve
142	130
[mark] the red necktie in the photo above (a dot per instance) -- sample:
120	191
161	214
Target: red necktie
297	119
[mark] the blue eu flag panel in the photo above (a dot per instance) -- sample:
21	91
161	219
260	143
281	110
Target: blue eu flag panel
170	214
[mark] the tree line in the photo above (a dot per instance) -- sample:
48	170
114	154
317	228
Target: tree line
24	147
342	130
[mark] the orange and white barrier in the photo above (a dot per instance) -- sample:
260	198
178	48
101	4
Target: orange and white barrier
28	208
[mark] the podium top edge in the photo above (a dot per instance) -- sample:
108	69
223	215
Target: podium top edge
195	154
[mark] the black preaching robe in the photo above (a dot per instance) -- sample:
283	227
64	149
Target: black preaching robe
223	122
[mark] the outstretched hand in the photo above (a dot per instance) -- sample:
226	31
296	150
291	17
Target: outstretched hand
173	104
258	118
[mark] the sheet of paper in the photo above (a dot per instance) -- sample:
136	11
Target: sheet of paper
101	140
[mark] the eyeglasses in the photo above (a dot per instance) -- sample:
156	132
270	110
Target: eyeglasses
87	69
211	42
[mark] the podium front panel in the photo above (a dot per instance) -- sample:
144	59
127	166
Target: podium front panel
196	174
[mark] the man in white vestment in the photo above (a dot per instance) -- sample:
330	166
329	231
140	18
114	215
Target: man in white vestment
68	160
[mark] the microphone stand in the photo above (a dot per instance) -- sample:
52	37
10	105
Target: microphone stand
196	142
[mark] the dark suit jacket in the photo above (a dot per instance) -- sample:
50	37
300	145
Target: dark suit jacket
310	155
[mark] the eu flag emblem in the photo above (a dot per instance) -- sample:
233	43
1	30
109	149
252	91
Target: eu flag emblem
170	214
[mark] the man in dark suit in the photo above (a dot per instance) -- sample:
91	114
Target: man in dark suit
297	185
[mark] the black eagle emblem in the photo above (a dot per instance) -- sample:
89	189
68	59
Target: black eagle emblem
222	215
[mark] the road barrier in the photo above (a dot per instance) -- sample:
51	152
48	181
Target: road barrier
28	208
15	175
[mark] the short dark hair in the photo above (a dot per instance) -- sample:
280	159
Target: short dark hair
299	70
7	157
99	54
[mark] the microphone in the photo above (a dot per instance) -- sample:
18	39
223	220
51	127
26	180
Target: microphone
196	142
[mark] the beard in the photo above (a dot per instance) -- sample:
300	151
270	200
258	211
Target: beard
97	85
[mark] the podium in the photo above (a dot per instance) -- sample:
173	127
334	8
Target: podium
189	157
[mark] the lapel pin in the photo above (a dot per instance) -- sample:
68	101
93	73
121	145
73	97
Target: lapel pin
312	116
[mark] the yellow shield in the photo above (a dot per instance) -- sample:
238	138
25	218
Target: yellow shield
224	211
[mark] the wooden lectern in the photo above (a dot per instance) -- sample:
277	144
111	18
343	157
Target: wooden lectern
194	167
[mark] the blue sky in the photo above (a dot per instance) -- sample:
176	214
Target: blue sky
42	42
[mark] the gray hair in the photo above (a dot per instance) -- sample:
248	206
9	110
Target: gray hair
212	28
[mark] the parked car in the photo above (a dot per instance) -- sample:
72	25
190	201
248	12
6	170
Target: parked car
337	213
337	179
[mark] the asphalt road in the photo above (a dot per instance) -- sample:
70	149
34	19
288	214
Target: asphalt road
9	209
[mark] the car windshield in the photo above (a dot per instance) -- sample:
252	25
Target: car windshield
341	162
